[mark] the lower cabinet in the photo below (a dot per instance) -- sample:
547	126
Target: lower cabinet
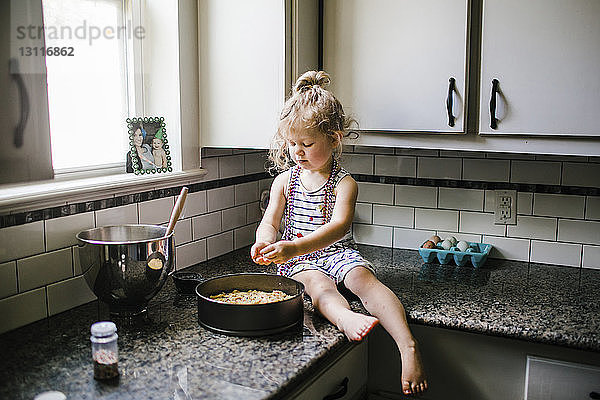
463	365
344	378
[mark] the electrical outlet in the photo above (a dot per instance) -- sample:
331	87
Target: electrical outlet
506	207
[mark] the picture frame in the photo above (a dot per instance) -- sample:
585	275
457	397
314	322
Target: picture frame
148	146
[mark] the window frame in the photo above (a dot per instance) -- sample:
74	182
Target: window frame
77	185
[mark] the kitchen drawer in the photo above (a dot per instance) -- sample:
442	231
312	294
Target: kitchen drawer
552	379
352	365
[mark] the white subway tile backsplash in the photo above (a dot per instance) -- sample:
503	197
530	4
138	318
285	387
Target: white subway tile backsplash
581	174
486	170
246	193
372	234
21	241
220	198
183	231
211	165
524	203
460	236
156	212
44	269
480	223
195	204
60	232
393	216
253	212
244	236
446	220
417	152
363	213
190	254
591	256
463	154
22	309
592	207
508	248
533	228
556	253
511	156
396	166
233	217
219	244
416	196
461	199
558	205
231	166
379	193
8	279
373	150
117	215
255	163
410	238
586	232
206	225
216	152
357	163
439	168
68	294
264	184
538	172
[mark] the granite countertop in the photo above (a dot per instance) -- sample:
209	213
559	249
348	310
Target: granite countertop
168	355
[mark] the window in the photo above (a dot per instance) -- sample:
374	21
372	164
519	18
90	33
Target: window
88	87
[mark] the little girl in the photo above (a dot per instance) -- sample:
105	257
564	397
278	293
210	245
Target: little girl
315	197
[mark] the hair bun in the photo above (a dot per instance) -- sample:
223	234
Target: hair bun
310	79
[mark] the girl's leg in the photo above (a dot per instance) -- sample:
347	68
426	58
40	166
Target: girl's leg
382	303
326	298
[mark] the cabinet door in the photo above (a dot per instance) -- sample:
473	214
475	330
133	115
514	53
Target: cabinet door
243	63
545	56
391	62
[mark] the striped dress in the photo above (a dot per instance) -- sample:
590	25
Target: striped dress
305	212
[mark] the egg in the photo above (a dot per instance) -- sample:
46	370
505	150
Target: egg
462	245
428	245
452	240
435	239
446	244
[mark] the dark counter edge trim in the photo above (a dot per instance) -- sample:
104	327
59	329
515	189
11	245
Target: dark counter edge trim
95	205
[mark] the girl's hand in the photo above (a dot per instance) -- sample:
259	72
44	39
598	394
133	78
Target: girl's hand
255	253
280	252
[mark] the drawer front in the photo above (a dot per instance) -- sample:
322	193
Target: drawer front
351	365
552	379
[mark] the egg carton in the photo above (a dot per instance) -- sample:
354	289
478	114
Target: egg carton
477	253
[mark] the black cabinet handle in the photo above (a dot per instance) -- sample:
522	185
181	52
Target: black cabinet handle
451	87
594	395
493	119
341	392
19	129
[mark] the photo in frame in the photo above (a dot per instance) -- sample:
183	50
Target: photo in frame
148	146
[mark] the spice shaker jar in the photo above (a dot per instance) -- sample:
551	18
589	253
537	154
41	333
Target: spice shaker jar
105	350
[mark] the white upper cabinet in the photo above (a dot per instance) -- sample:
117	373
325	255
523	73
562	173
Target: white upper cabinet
545	56
391	62
243	66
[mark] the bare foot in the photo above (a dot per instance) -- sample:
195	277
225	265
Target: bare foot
413	375
356	326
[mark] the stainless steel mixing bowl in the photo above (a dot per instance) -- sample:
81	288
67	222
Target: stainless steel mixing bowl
126	265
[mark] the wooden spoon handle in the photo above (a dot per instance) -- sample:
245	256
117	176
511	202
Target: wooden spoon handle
177	210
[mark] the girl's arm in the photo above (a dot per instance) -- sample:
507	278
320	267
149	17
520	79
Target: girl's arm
266	233
329	233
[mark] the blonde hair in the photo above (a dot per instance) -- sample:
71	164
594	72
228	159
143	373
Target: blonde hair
310	106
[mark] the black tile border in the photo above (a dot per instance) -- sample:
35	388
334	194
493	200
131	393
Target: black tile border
116	201
95	205
453	183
